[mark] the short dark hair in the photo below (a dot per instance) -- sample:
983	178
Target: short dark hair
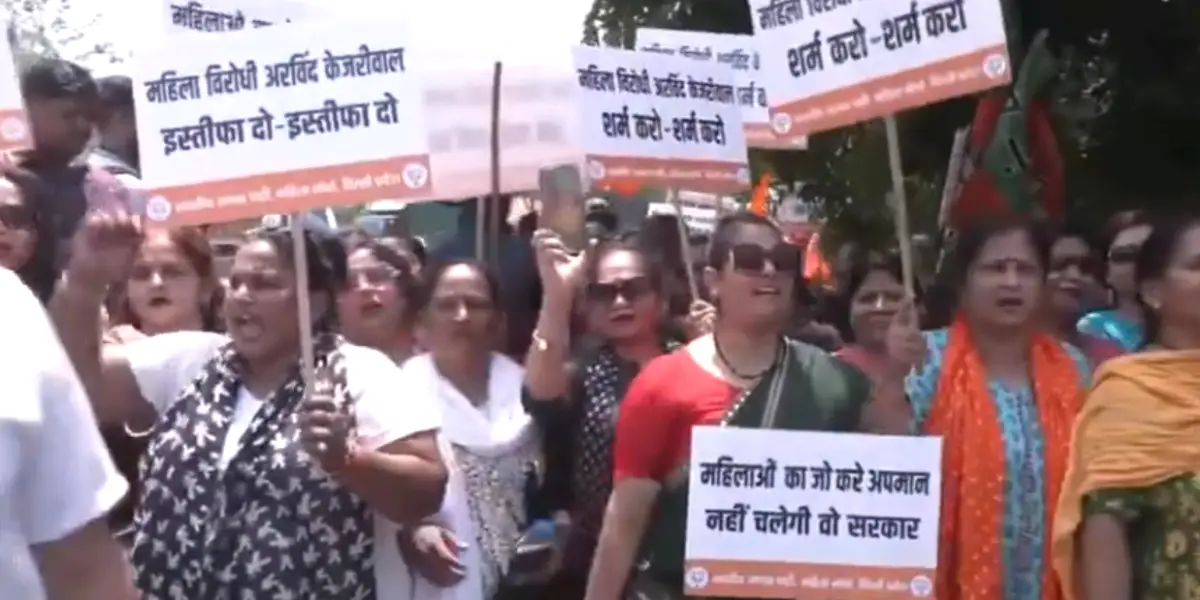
57	79
115	93
728	228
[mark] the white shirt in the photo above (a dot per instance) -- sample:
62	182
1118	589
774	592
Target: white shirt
164	365
55	472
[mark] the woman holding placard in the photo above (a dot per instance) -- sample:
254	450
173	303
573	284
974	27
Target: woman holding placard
1002	394
736	376
254	486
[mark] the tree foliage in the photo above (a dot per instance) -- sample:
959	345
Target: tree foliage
51	28
1124	108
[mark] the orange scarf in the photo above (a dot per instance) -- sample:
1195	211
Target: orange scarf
964	413
1138	428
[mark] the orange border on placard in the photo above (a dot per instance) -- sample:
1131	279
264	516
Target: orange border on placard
290	191
760	135
14	129
801	581
712	176
958	76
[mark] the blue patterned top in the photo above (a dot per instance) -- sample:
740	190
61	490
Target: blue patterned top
1024	480
1113	326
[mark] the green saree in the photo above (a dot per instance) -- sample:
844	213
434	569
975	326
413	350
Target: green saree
816	392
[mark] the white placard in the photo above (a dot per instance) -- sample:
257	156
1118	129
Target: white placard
14	127
736	52
180	16
539	118
832	63
280	120
792	514
660	120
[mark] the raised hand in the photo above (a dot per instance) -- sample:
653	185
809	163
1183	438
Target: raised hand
559	270
104	247
905	344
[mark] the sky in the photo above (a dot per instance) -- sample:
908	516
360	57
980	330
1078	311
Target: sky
125	23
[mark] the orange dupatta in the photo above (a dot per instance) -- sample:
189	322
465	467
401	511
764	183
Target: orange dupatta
964	414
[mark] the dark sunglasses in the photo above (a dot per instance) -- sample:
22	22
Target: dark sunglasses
1087	265
1123	254
16	216
752	258
630	289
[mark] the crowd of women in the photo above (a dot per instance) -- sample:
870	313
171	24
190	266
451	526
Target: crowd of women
444	451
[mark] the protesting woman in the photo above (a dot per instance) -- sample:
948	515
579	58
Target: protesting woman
1123	323
576	399
1073	272
491	443
1128	522
171	287
378	306
249	488
1002	394
870	299
745	374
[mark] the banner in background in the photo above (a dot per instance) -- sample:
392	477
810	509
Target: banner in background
798	514
833	63
180	16
14	127
660	120
738	53
238	125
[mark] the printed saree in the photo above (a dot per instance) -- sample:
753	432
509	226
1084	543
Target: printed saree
818	393
1004	458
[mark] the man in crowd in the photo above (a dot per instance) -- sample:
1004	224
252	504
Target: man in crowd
61	98
117	151
57	481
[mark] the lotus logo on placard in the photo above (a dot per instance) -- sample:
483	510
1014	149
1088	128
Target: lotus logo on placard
158	208
13	130
921	586
781	123
415	175
696	578
596	170
743	175
995	66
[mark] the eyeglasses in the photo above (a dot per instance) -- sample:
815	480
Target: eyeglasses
16	216
752	258
630	289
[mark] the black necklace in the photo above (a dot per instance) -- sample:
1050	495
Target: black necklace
746	376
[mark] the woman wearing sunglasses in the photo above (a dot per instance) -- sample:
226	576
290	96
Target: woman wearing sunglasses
1122	324
27	244
1073	271
618	288
744	374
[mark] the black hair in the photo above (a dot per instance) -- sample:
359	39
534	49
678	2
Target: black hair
326	274
1153	260
597	253
434	276
970	242
40	273
728	229
115	94
57	79
407	281
941	300
860	263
